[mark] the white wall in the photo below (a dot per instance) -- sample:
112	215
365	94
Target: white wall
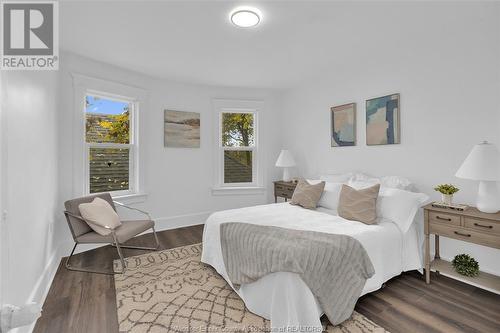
3	229
30	152
37	126
445	62
178	182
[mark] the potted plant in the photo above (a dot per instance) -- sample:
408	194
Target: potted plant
447	191
465	265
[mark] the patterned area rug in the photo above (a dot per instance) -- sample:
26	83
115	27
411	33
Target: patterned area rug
172	291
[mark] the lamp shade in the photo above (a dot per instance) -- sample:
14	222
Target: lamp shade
285	160
483	163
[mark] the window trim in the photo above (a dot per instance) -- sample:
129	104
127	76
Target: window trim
136	97
237	106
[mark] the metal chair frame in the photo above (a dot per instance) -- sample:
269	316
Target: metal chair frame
115	243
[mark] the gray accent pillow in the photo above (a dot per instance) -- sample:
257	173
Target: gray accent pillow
359	205
307	195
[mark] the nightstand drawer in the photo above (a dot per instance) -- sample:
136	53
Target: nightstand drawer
482	225
467	235
444	218
283	194
284	188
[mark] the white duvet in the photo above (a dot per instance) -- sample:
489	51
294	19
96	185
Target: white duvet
283	297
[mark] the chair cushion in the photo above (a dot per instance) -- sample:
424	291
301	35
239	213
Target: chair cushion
126	231
99	214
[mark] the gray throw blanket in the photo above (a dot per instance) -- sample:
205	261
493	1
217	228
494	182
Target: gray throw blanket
334	267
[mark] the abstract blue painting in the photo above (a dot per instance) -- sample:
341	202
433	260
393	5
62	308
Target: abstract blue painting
382	120
344	125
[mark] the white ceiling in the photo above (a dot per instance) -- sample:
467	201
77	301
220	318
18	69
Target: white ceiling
194	42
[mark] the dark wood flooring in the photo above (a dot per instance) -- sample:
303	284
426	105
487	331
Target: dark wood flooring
85	302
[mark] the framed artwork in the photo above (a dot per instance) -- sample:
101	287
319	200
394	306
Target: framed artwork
181	129
383	120
343	125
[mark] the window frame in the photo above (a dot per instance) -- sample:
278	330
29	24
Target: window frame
132	145
222	106
253	149
84	85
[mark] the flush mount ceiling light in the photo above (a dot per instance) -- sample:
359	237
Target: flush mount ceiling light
245	17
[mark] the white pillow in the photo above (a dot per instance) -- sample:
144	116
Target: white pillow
358	176
100	212
364	181
399	182
337	177
330	196
362	184
400	206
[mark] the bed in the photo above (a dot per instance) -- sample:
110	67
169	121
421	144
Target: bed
283	297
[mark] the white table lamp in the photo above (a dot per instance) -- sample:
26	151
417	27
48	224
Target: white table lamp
483	164
285	161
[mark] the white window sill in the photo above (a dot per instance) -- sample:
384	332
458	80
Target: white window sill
131	198
238	190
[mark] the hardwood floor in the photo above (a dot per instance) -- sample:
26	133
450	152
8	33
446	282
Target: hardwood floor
85	302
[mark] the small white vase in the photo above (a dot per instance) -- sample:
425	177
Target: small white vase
447	198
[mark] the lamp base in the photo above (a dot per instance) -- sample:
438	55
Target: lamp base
286	175
487	197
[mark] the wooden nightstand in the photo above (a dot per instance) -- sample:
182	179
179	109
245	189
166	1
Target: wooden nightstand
471	226
283	189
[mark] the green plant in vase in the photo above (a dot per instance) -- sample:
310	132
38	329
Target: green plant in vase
447	191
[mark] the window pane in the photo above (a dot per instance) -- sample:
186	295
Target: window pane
237	166
237	129
109	169
106	120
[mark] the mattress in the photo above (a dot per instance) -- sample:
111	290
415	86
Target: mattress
283	297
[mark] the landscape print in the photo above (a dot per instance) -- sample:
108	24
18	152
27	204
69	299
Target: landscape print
382	120
182	129
344	125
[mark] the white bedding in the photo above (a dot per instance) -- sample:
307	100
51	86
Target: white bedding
283	297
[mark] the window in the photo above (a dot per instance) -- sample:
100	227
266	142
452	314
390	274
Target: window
237	145
106	143
110	144
238	162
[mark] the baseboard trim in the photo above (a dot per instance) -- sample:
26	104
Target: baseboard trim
180	221
42	285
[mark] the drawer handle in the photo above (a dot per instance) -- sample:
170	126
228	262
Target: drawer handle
483	226
279	187
460	234
443	218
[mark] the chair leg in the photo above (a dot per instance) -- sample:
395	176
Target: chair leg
77	269
156	238
118	248
71	255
